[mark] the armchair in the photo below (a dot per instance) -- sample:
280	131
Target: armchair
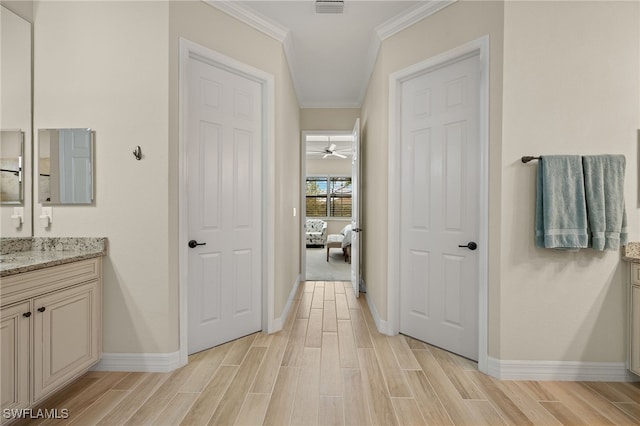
316	232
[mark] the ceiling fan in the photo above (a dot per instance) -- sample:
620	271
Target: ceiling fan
331	150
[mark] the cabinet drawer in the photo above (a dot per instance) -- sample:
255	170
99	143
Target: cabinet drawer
635	273
31	284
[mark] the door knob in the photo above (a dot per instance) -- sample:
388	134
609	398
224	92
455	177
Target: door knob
194	243
471	245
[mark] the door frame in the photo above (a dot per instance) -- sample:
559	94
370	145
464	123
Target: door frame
303	190
189	49
478	47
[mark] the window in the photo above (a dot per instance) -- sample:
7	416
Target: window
328	196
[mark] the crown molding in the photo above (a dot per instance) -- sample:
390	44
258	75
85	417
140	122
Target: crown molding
251	17
254	19
289	53
405	20
276	31
394	26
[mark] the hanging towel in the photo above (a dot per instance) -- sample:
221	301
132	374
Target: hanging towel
604	189
561	210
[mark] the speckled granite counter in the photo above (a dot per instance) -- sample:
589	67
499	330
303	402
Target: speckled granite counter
631	252
28	254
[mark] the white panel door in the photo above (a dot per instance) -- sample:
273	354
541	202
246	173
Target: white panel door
355	210
439	207
224	133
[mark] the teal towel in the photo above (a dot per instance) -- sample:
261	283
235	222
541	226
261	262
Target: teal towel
561	210
604	188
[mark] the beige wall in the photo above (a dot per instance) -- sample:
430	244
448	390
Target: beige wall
113	66
288	189
455	25
22	8
328	118
566	82
329	166
104	65
570	87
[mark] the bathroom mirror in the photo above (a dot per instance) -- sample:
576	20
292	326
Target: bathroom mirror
15	120
65	166
11	155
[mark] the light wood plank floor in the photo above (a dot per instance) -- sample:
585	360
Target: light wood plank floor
330	366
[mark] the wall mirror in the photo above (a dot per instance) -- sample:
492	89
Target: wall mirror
11	173
15	121
65	166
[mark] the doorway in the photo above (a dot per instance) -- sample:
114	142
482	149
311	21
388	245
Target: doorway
430	141
338	200
225	180
327	191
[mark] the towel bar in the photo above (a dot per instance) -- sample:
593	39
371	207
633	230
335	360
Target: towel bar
528	158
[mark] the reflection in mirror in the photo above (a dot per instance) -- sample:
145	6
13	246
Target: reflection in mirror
65	166
11	155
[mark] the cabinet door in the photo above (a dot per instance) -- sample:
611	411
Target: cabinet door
14	355
67	336
634	331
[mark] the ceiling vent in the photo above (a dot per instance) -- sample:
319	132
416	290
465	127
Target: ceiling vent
329	6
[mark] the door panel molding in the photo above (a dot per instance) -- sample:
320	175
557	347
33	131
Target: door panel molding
189	49
479	47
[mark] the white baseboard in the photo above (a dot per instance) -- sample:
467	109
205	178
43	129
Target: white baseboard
151	363
381	324
278	323
560	370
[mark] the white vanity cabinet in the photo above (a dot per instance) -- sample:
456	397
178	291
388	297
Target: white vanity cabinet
15	335
51	329
634	326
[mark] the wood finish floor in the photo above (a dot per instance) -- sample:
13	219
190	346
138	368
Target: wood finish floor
329	366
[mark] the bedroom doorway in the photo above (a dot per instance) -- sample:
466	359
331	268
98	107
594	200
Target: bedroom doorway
326	213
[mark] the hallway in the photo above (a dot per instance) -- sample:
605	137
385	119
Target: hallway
330	366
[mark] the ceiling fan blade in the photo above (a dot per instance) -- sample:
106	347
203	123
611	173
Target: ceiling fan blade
339	155
332	147
326	155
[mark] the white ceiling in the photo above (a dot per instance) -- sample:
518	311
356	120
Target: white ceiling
331	56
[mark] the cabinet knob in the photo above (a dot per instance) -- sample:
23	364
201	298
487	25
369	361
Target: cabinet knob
26	314
42	309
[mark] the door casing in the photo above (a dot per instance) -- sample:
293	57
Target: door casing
190	49
480	46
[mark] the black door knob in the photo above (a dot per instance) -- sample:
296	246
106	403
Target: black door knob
470	246
194	243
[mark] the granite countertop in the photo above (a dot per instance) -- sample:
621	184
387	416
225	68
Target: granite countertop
631	252
19	255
